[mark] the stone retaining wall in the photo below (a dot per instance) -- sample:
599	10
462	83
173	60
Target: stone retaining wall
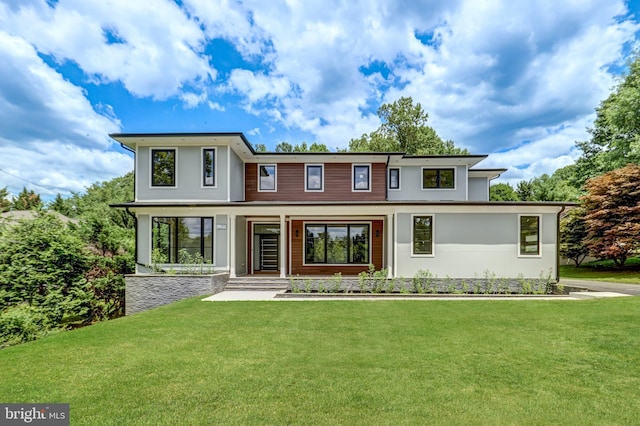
144	292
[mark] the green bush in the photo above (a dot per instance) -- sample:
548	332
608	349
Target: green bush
23	323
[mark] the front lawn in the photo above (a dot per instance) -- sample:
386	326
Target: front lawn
342	362
604	270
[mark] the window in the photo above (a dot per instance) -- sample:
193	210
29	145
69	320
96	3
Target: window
394	178
163	167
182	239
422	231
267	177
361	177
438	178
337	243
313	177
209	167
529	235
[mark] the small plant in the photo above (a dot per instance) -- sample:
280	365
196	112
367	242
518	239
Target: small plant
559	288
489	282
157	257
307	285
379	280
321	287
525	284
465	287
362	281
422	281
477	287
392	284
336	282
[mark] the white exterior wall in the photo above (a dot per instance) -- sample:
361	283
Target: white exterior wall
467	244
188	176
411	186
478	189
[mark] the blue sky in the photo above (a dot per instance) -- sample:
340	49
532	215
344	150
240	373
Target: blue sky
516	80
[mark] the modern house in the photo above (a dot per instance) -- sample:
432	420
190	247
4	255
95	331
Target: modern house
213	196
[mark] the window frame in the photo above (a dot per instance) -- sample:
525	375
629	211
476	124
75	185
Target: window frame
174	238
203	183
353	177
152	150
326	225
538	253
389	179
433	233
275	177
306	178
439	188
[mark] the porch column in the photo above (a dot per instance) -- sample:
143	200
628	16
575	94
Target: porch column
231	235
390	243
283	247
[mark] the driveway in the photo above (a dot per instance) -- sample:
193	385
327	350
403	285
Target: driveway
631	289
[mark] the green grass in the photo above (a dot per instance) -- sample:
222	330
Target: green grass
604	270
342	362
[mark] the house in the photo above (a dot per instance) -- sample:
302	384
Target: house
246	212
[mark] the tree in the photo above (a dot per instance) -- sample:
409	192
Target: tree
615	136
5	204
404	129
573	233
27	200
260	147
60	205
502	192
612	207
315	147
549	188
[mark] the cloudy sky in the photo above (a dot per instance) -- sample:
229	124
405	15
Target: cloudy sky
516	80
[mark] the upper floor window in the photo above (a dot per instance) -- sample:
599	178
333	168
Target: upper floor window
313	177
209	167
163	167
438	178
422	235
394	178
267	177
529	235
361	177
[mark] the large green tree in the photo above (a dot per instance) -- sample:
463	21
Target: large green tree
615	135
27	200
502	192
612	207
303	147
404	129
573	234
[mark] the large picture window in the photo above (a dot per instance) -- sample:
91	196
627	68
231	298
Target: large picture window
529	235
209	167
337	243
438	179
163	167
183	239
267	177
422	232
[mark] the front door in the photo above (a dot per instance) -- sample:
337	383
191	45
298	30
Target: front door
266	246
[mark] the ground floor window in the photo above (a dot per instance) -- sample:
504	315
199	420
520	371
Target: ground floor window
337	243
422	232
529	235
182	239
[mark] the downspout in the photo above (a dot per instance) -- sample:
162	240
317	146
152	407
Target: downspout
558	244
135	227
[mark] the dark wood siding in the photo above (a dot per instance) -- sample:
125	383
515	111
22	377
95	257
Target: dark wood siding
337	184
297	251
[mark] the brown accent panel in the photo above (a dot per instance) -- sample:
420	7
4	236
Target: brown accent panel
297	251
337	184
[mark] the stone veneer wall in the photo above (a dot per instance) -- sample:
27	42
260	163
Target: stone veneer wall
144	292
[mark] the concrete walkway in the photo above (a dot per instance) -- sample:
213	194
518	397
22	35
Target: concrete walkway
601	286
262	295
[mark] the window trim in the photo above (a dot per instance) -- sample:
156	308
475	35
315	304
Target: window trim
175	167
455	178
306	178
518	248
326	224
215	167
389	187
275	177
213	233
353	177
433	235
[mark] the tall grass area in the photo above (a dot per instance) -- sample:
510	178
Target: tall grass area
604	270
342	362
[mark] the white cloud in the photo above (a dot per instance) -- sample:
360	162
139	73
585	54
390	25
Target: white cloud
49	133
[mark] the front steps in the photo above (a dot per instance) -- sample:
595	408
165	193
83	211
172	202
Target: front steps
257	283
